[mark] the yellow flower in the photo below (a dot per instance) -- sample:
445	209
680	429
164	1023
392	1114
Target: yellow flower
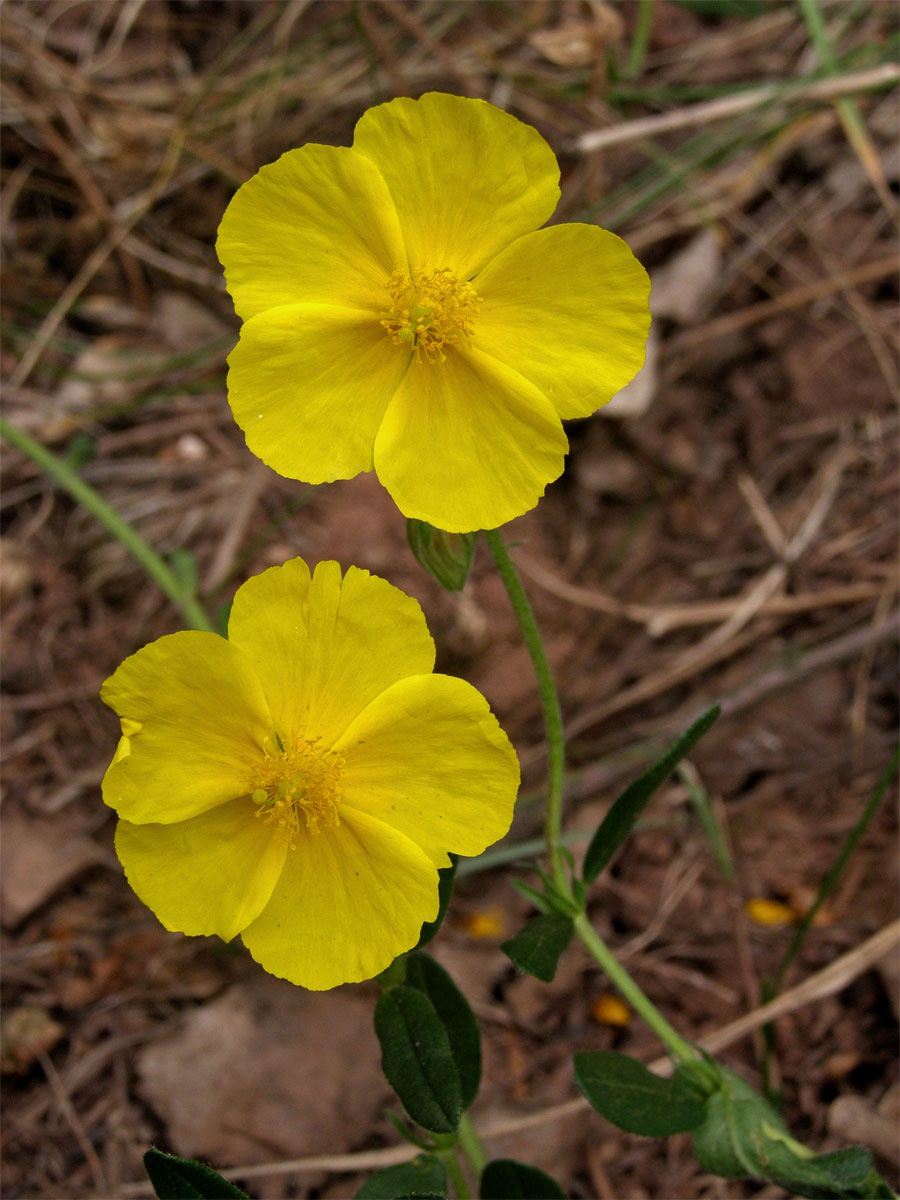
403	311
302	782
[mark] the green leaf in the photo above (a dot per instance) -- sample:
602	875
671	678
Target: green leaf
447	557
538	899
430	978
417	1059
506	1179
425	1175
446	879
536	948
175	1178
743	1135
620	819
627	1094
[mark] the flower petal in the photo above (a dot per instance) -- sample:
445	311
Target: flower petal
213	873
309	386
324	648
568	308
468	443
349	900
465	177
428	757
194	719
317	226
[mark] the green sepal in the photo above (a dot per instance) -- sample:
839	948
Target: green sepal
424	1175
536	948
175	1178
417	1060
621	818
630	1096
506	1179
742	1135
451	1006
447	557
446	879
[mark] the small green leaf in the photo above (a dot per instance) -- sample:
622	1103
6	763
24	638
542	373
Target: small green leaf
430	978
447	557
538	899
627	1094
425	1175
536	948
506	1179
446	878
417	1060
620	819
175	1178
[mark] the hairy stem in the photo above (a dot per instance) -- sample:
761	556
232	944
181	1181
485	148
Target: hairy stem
549	702
470	1144
679	1049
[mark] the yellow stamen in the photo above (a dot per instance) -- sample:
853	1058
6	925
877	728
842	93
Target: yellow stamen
297	787
432	310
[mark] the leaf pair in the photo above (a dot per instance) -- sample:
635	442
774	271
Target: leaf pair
735	1132
430	1045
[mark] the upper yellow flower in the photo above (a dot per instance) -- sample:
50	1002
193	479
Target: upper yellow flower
404	311
302	782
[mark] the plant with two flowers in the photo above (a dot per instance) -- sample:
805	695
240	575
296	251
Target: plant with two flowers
308	782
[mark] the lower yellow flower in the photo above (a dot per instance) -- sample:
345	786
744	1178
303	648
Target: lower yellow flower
302	782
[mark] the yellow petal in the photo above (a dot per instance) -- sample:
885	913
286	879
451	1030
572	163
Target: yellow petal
324	648
465	177
468	443
316	226
203	717
568	308
428	757
349	900
309	386
213	873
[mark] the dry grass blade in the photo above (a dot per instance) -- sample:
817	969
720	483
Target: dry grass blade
730	106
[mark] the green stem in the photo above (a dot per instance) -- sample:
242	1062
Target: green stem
455	1171
470	1144
679	1049
549	702
65	477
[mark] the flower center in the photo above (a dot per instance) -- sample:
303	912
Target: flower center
297	787
429	311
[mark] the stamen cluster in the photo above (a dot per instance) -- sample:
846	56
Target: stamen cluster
430	310
298	783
